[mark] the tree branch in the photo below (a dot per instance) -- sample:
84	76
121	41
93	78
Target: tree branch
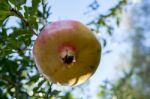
23	19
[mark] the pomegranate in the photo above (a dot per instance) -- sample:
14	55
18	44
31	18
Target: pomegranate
66	52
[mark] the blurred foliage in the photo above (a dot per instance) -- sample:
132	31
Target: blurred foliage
19	77
136	83
106	22
102	20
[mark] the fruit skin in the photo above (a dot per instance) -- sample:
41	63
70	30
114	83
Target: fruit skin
72	37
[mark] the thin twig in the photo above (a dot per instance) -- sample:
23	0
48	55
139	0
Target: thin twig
23	19
49	91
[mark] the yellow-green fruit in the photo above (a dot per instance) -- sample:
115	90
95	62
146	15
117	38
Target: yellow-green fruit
67	52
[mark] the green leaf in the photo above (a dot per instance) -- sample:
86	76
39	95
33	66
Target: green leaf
4	11
35	78
2	83
35	4
68	95
4	6
18	3
38	88
55	92
41	83
100	94
28	12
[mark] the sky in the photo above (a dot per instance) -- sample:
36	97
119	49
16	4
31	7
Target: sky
75	9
